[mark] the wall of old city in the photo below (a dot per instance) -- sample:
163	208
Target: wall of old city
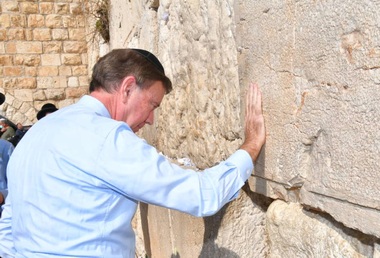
314	190
43	55
318	66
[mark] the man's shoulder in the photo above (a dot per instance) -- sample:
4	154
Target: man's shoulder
5	145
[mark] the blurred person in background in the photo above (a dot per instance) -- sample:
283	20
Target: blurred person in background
7	131
6	149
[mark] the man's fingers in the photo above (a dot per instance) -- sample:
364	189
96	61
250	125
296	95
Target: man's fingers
255	90
254	122
253	98
258	101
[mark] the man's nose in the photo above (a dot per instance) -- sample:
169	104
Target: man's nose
150	118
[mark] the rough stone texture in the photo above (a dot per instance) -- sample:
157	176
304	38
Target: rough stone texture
200	119
238	230
318	69
318	64
31	61
195	42
295	232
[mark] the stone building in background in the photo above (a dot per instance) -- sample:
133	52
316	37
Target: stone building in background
43	55
315	188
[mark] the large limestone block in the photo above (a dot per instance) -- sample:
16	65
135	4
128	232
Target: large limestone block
295	232
318	64
238	230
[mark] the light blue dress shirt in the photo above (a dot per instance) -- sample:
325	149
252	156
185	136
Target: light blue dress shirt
77	176
6	149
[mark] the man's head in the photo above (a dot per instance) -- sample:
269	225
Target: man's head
131	83
4	123
46	109
111	69
2	98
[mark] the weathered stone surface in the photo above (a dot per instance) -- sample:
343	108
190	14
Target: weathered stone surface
77	34
10	47
24	95
53	21
10	6
317	64
76	92
61	8
71	59
39	95
170	233
42	34
16	34
28	7
5	20
376	253
3	36
30	71
55	94
23	47
203	66
12	71
75	47
50	59
79	70
65	70
76	8
18	20
295	232
36	20
73	81
27	60
321	102
60	34
46	8
5	60
52	46
48	71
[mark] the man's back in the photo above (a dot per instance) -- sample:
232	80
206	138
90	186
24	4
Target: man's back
60	206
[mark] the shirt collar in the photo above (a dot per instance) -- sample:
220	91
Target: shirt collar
95	105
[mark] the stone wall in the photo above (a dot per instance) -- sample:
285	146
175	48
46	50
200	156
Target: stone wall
317	64
43	55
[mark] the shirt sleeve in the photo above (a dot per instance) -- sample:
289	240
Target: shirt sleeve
5	158
132	167
6	244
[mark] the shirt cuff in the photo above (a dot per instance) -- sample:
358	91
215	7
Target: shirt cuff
243	162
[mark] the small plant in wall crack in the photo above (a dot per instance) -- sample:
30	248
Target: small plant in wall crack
100	11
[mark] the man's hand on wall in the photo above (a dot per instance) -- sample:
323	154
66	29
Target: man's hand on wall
254	122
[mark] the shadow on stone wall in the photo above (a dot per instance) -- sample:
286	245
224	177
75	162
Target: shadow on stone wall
360	242
213	223
145	227
260	172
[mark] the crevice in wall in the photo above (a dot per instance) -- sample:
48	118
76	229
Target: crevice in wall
325	218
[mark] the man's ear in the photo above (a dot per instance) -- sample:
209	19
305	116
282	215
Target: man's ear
127	86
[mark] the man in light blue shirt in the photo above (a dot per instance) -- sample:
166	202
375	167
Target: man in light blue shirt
6	149
78	174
